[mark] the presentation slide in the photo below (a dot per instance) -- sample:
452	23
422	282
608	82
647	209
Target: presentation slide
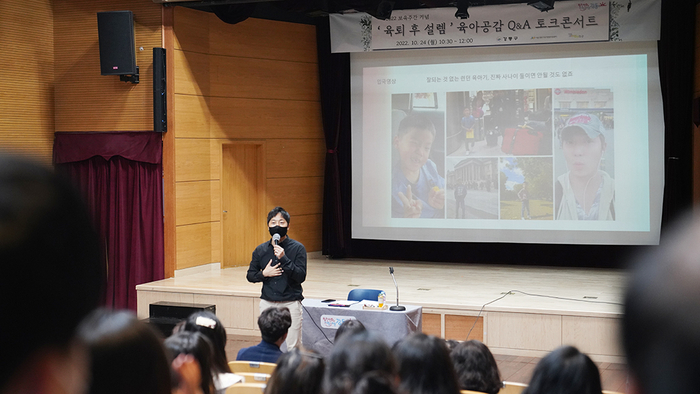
541	144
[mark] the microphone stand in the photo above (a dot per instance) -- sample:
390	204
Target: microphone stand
396	307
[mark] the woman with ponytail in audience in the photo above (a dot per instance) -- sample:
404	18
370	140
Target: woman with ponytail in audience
565	371
475	367
197	346
207	324
425	366
354	356
299	371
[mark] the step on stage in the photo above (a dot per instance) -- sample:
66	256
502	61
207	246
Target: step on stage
528	310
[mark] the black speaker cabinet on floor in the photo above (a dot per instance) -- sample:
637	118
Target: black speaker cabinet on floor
160	120
117	48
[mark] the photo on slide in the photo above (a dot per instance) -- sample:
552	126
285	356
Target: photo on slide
495	123
472	188
418	156
525	188
584	156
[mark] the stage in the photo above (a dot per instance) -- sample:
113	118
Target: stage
539	308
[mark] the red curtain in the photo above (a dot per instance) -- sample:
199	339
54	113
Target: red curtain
120	176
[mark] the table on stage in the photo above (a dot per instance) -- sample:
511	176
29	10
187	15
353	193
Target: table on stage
321	322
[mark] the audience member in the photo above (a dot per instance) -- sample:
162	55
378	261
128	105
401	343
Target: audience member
475	367
375	382
126	355
197	346
565	371
348	327
353	356
274	322
206	323
451	344
298	371
425	366
51	279
661	321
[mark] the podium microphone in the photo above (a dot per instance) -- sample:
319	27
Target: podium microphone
396	307
276	238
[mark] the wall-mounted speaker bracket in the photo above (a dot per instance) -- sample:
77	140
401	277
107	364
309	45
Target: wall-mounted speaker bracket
134	78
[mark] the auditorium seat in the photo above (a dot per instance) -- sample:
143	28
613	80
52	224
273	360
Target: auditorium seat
246	388
363	294
512	388
254	377
251	367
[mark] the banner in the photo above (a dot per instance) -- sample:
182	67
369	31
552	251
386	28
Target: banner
510	24
515	24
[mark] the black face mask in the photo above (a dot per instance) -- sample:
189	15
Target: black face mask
282	231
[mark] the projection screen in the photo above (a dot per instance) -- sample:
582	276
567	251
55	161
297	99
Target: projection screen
529	144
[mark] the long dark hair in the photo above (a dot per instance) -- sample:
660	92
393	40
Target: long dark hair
425	366
197	345
475	367
298	371
565	371
209	325
127	356
354	355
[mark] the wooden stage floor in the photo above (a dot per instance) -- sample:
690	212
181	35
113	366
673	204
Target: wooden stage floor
538	309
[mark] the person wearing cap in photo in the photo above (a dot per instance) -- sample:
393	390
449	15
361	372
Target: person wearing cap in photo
585	192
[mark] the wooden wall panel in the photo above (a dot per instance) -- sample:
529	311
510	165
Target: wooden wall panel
432	324
295	158
192	29
505	331
301	196
192	73
86	100
196	160
198	244
193	116
198	202
169	215
264	39
457	327
27	78
265	118
262	78
592	335
307	230
255	82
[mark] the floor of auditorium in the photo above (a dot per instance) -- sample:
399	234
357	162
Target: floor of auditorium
613	376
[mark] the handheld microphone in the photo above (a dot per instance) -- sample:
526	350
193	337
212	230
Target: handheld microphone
396	307
276	238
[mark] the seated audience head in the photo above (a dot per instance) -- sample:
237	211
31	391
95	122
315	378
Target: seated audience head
425	366
348	327
298	371
199	347
376	382
661	320
209	325
127	356
565	371
353	356
451	344
475	367
51	261
274	322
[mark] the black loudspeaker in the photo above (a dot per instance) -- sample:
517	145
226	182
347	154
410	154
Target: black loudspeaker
117	47
160	119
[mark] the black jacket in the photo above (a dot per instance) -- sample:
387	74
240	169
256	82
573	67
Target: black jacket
286	287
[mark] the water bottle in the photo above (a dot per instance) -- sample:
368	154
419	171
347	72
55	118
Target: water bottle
381	299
